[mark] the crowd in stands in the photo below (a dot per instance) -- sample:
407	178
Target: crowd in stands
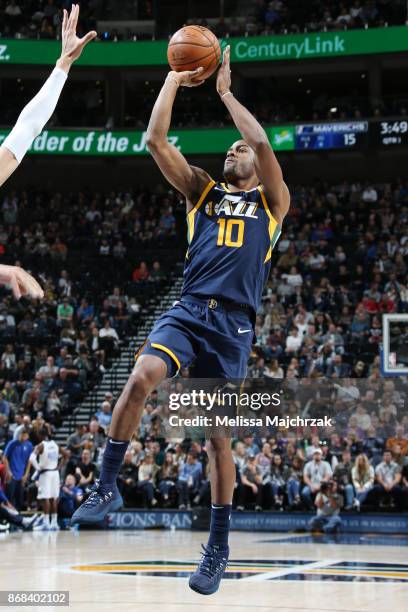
39	227
339	265
86	106
267	17
41	18
365	455
54	351
267	101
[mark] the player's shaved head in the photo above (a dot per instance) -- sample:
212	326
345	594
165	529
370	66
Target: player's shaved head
240	162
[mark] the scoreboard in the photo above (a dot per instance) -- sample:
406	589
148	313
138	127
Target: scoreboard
389	133
346	135
339	135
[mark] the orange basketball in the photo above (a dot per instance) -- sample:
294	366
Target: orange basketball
194	46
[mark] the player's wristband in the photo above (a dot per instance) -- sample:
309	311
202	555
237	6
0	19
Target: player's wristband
226	94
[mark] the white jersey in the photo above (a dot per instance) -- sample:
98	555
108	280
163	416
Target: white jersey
49	480
48	460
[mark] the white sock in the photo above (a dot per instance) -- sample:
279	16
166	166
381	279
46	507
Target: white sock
54	519
48	519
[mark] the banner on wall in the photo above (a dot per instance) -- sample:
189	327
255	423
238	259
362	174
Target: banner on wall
129	143
326	136
243	49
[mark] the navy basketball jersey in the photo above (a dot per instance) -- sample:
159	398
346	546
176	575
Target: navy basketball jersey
231	236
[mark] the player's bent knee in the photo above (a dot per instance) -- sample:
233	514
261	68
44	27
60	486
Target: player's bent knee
139	386
143	380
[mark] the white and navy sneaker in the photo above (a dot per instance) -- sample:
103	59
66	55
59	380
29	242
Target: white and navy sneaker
102	500
207	577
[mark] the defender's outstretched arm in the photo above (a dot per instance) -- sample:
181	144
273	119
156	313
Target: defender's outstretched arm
266	164
37	112
29	124
190	180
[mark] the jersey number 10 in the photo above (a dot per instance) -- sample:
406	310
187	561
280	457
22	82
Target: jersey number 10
226	228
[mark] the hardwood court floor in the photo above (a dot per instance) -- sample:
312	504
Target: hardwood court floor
117	571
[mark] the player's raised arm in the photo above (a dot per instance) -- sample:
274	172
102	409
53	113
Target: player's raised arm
267	166
37	112
189	180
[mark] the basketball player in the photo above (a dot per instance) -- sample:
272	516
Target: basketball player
29	125
44	459
232	229
7	511
9	514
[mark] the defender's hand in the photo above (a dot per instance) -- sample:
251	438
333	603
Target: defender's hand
224	73
188	78
72	46
21	282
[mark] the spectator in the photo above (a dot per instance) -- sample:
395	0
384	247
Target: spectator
85	312
104	415
167	478
314	447
48	372
65	313
108	337
293	341
70	497
252	489
342	475
279	477
95	436
401	438
329	503
315	473
4	407
4	431
157	275
337	368
127	479
363	420
369	195
294	482
85	471
388	482
141	273
189	480
75	442
147	479
17	453
363	479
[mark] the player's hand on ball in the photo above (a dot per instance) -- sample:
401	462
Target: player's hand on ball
72	45
224	73
21	283
188	78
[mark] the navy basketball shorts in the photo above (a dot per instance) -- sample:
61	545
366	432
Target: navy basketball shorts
217	340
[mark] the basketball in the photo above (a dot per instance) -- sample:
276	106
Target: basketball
193	47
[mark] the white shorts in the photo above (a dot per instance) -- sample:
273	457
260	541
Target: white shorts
49	485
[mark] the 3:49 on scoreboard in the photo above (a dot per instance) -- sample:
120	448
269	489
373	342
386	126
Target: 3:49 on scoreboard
389	133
